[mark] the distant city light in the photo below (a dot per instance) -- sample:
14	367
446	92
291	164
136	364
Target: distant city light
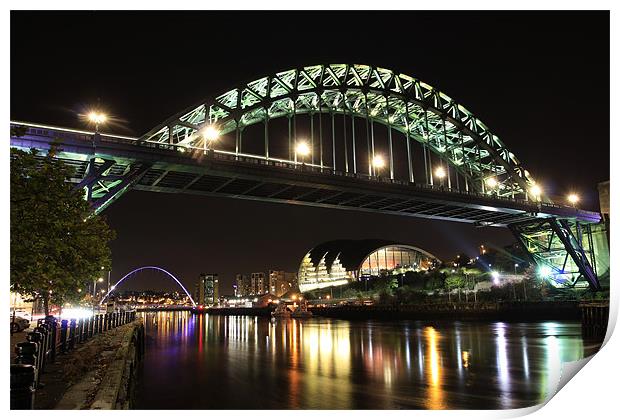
75	313
302	149
378	162
210	133
573	198
440	172
495	277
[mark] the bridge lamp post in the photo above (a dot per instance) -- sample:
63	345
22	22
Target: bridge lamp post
302	149
210	134
440	173
573	199
536	192
97	118
378	163
491	183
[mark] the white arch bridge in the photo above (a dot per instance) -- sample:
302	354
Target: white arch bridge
343	136
148	267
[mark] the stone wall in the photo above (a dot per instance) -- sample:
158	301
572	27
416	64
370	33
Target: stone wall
109	381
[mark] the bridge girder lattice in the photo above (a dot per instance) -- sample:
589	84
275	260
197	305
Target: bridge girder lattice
400	102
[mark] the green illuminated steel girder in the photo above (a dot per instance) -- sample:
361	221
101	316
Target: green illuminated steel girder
102	188
401	102
565	248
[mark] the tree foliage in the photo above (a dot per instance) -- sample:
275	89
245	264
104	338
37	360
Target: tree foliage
58	246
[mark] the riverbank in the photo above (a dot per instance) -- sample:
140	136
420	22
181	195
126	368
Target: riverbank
99	374
266	311
471	311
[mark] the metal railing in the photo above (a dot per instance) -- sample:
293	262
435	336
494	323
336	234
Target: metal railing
53	132
49	339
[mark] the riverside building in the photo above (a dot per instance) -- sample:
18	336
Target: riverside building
335	263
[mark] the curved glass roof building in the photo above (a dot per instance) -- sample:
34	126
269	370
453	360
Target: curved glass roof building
339	262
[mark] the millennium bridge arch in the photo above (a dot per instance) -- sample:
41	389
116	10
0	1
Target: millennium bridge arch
149	267
461	170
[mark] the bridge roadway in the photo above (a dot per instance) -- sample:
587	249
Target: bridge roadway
160	167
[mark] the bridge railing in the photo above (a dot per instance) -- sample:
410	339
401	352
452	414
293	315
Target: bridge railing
88	136
49	339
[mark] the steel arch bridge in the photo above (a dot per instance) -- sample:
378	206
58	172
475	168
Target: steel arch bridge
148	267
442	162
400	102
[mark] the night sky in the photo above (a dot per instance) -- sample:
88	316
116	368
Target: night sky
539	80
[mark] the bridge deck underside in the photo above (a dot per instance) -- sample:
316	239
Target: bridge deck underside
289	191
233	176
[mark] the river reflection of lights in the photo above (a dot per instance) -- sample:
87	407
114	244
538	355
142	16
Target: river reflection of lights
420	357
459	354
200	336
502	363
550	381
320	363
325	353
465	359
408	354
526	361
435	399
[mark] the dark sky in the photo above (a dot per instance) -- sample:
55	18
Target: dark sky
539	80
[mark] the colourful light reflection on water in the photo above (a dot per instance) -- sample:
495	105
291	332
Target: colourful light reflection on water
205	361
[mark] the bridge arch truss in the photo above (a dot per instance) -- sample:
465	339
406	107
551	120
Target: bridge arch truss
446	130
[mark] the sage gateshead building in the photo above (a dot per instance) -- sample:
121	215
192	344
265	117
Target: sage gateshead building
335	263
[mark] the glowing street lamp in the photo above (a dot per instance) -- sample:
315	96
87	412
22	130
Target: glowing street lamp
491	182
100	280
97	118
378	162
210	133
536	191
573	199
440	172
302	149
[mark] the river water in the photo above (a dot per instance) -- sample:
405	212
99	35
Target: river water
236	362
